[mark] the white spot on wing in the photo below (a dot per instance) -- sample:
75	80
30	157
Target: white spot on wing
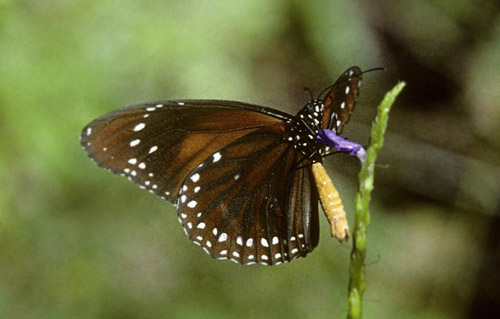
139	127
135	142
201	225
264	242
153	149
195	177
275	240
222	237
192	204
132	161
249	242
89	131
217	157
142	165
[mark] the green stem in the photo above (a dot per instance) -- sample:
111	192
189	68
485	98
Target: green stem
362	219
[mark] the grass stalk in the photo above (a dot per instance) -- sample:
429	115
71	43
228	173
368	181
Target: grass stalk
357	283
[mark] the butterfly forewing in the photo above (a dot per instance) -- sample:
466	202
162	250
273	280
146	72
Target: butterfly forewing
246	202
157	145
341	99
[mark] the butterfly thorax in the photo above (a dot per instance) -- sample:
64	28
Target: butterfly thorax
304	128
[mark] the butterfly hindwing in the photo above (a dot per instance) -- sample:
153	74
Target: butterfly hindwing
246	203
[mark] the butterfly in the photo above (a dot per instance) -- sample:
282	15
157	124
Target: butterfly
246	179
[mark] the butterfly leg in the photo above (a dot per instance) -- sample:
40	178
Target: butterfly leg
304	158
331	203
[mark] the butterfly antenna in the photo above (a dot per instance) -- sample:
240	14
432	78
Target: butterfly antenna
326	89
354	75
374	69
311	95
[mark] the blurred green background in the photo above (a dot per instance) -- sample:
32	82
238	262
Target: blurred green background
79	242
